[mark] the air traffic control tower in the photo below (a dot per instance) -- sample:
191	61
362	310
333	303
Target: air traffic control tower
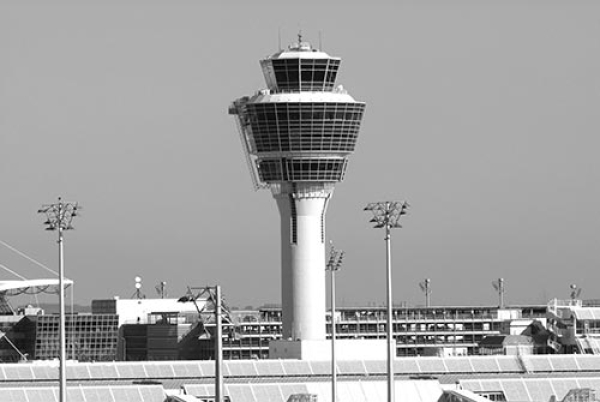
297	136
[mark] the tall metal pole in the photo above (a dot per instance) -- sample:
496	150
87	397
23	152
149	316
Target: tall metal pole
386	215
391	342
333	336
501	292
333	265
59	217
218	349
61	313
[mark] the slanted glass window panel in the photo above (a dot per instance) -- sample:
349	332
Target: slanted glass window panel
483	364
471	385
46	395
291	367
320	367
186	370
431	365
198	390
17	372
126	394
354	367
406	365
588	362
376	366
43	372
130	370
78	372
240	393
508	364
458	365
15	395
515	390
268	392
152	393
562	386
97	394
108	371
269	368
153	370
207	368
539	390
241	368
290	389
537	363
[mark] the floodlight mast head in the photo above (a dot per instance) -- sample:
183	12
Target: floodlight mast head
387	214
60	215
335	259
426	288
499	287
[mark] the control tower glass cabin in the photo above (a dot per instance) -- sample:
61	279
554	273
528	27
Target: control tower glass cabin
297	136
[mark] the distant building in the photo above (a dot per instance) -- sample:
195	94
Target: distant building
576	325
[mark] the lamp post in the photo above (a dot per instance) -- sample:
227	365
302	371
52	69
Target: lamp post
333	265
386	214
426	288
499	286
214	295
59	217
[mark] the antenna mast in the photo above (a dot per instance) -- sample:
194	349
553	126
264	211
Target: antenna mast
499	286
426	287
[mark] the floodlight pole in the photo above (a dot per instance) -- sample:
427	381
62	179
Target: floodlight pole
219	347
427	286
333	265
59	217
386	215
61	312
390	333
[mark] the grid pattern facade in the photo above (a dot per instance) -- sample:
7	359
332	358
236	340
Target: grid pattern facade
532	389
316	169
88	337
305	74
305	126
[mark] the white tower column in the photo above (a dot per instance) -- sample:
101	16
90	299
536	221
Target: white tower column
302	209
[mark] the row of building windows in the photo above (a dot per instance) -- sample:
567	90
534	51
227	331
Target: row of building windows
283	127
284	169
305	111
305	74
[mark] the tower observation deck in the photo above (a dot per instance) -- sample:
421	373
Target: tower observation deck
297	136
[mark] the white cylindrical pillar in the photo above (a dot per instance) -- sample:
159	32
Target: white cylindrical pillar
303	262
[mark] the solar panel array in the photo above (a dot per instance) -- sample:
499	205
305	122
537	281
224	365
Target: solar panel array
531	389
348	391
298	368
126	393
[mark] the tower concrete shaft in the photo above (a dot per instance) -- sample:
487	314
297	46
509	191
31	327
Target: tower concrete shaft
302	209
297	136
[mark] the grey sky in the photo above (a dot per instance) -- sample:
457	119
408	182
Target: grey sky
483	115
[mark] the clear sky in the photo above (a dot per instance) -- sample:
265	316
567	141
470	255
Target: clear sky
484	115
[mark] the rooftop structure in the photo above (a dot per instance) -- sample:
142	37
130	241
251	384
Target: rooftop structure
424	379
297	136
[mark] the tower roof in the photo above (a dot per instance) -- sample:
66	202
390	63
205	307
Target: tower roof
301	50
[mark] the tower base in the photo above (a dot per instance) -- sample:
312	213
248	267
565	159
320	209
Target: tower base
345	349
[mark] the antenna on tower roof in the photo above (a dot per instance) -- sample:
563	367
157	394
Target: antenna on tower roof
279	37
299	37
